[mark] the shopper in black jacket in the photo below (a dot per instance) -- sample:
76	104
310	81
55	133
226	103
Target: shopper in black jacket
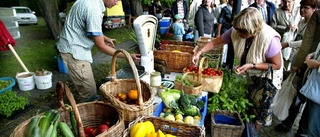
184	14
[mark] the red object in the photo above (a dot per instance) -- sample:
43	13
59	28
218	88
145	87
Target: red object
102	128
5	38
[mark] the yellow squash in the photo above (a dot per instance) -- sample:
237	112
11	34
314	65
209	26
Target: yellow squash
142	129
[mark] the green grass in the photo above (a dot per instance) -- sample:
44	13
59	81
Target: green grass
36	49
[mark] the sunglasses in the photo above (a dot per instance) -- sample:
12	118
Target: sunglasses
243	31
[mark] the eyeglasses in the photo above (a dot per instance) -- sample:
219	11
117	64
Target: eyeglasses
243	31
305	7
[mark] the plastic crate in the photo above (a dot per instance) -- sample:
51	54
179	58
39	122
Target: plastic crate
163	30
13	82
203	110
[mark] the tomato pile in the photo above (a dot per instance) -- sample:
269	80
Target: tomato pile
206	71
104	126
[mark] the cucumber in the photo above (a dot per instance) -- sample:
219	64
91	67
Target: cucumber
49	131
36	132
46	121
74	123
65	129
55	121
32	124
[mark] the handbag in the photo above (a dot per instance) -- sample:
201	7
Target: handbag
284	98
262	93
311	89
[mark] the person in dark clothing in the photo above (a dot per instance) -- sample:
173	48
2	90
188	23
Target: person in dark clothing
152	8
158	10
225	19
204	19
184	14
265	7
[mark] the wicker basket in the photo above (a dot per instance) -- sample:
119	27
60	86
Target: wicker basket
169	127
209	83
112	88
202	41
92	114
176	42
176	61
195	90
226	130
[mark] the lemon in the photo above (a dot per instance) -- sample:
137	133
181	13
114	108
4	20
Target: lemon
179	116
170	117
176	51
189	120
179	120
197	118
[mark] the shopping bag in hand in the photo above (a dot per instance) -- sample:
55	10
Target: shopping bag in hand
284	98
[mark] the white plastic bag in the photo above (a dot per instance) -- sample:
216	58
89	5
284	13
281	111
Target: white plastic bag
283	99
286	53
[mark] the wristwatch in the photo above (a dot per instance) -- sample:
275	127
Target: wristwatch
254	66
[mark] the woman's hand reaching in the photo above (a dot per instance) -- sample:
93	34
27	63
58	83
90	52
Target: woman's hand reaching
243	68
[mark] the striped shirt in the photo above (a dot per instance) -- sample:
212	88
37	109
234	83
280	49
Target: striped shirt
180	8
82	22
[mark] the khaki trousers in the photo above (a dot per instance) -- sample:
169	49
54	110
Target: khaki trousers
81	75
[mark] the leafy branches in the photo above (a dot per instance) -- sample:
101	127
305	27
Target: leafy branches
233	96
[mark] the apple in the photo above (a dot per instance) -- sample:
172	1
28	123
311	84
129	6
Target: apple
88	130
102	128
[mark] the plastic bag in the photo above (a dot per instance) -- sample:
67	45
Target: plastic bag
288	36
283	99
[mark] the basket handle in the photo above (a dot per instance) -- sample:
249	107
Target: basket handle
62	87
134	70
203	60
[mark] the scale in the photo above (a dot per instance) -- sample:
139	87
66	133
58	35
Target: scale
145	27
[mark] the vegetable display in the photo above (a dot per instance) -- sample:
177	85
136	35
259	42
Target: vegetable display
233	96
10	102
146	129
4	84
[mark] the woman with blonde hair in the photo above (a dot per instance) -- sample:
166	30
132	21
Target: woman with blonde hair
256	46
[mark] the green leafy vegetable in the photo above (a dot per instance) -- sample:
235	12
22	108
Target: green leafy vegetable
10	102
170	97
4	84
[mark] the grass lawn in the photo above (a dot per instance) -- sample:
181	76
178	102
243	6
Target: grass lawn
36	49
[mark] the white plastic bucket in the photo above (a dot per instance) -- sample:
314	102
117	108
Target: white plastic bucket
25	81
44	82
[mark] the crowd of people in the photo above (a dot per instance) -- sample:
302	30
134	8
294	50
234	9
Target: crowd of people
255	37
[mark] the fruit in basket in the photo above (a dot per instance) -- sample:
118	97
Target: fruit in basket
123	96
102	128
150	126
170	117
160	133
189	120
178	117
138	130
133	94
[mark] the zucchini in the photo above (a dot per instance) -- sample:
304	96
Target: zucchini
49	131
32	124
74	123
65	129
36	130
46	121
55	125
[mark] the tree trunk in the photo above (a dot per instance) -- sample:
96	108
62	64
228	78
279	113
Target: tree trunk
50	12
136	7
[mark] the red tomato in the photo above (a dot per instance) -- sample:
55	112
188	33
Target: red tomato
88	130
94	133
102	128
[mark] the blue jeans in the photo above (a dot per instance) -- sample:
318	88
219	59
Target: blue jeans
314	123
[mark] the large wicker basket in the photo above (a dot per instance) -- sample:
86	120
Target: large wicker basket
112	88
176	42
196	89
88	114
226	130
176	61
169	127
